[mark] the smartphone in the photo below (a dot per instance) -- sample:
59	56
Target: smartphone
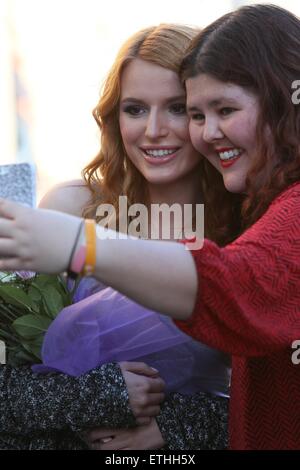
18	183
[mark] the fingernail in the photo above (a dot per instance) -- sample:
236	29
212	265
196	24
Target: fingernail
155	370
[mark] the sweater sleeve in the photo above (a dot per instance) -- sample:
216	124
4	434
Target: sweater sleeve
197	422
248	300
32	402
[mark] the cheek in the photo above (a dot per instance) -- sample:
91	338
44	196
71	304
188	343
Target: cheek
180	127
129	131
202	147
196	139
243	131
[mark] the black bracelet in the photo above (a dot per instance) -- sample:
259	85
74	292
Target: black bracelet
72	274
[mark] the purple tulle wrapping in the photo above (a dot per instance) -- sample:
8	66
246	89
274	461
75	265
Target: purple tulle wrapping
109	327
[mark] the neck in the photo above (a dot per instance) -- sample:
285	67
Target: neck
182	192
185	191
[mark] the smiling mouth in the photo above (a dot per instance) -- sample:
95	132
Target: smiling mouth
159	153
230	154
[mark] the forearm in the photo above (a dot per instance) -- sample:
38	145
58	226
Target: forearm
167	269
195	422
42	240
34	402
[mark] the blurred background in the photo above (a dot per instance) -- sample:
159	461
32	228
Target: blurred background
54	55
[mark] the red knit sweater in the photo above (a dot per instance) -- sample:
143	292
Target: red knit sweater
248	305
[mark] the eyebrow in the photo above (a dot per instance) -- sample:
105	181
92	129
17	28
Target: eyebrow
213	103
168	100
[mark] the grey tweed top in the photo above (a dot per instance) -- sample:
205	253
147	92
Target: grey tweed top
42	412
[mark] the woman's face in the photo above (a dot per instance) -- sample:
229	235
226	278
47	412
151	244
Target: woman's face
223	120
154	124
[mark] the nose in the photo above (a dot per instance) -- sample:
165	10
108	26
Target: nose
156	125
212	131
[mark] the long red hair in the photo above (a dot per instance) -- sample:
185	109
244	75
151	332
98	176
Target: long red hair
112	174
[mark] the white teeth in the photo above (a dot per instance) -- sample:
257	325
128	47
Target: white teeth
159	153
230	154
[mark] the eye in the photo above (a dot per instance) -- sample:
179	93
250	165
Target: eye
178	108
197	117
226	111
134	109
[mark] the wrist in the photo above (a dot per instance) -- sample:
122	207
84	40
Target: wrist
83	256
156	440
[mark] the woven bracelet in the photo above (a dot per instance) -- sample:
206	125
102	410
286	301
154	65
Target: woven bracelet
77	258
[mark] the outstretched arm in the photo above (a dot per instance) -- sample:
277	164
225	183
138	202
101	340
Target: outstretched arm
42	240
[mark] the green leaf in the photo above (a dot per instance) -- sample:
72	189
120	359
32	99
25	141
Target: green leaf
16	296
27	308
63	283
30	326
34	347
53	302
7	336
34	294
43	280
10	312
20	357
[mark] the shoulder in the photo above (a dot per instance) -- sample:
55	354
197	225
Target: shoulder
279	226
291	193
70	197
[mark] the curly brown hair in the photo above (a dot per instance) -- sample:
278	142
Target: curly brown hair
257	47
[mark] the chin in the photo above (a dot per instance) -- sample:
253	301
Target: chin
161	179
234	186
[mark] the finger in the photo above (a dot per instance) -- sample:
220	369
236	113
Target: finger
104	440
143	421
155	398
7	247
8	209
156	385
138	368
10	264
5	228
114	444
100	433
149	411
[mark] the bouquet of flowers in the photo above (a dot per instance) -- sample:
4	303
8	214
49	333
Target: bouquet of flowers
55	329
29	303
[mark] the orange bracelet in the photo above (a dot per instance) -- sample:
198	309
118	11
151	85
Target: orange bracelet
90	239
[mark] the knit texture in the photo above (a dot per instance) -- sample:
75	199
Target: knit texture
248	305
